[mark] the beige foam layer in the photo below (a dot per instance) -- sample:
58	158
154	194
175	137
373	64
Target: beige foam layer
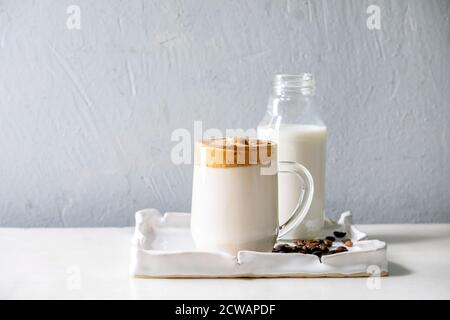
234	152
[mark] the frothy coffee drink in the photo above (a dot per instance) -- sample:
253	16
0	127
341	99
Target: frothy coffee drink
234	203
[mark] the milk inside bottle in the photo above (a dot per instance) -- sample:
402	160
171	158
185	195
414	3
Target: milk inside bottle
293	122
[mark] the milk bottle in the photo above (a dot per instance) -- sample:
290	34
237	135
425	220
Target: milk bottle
295	125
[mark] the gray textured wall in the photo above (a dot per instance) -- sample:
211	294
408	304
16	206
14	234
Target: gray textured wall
86	115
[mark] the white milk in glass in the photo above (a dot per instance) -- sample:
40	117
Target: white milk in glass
305	144
294	123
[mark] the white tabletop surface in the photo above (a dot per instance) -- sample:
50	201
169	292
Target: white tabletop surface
93	264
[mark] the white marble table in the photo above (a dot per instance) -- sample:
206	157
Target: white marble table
93	264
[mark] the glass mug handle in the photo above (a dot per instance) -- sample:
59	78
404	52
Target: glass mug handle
303	204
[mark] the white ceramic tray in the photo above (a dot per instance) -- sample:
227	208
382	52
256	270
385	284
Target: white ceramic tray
162	247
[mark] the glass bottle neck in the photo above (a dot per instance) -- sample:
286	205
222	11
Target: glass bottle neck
292	102
287	85
297	93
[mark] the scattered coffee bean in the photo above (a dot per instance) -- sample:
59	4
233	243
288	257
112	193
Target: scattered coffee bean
328	243
279	248
290	249
348	242
316	249
284	248
339	234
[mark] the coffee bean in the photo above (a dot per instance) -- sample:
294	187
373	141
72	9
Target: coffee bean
348	242
330	238
306	249
339	234
284	248
278	248
341	249
323	246
332	252
328	243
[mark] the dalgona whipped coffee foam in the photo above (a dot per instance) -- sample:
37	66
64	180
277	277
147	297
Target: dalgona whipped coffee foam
233	152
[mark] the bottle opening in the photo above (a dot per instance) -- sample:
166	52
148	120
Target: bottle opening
301	83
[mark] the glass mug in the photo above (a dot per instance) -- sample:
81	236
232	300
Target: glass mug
235	195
